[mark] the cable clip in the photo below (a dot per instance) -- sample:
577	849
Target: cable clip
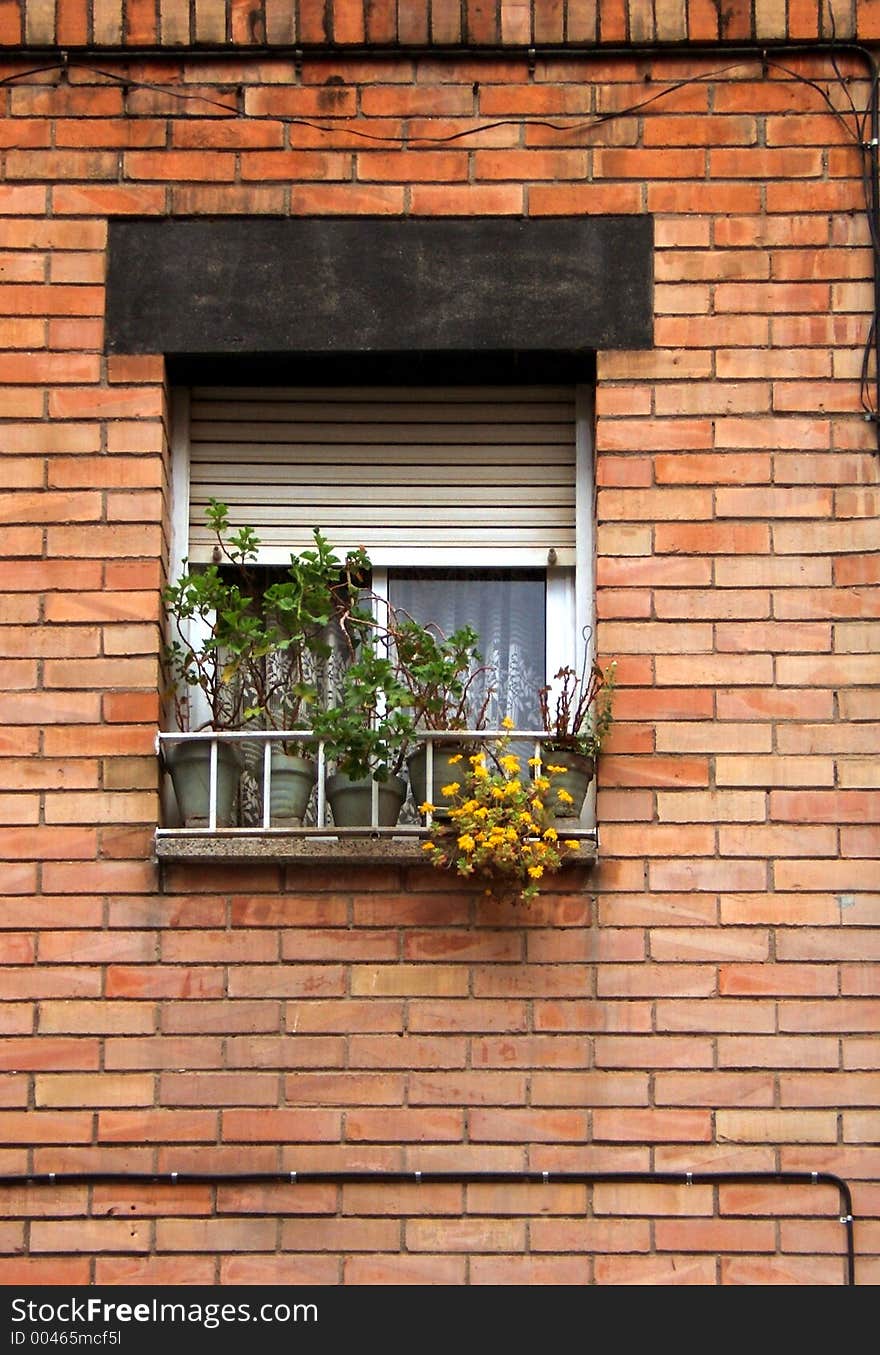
531	61
174	1178
689	1179
418	1178
293	1178
545	1177
846	1218
815	1176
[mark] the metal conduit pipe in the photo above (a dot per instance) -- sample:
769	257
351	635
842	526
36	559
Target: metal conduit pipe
786	1178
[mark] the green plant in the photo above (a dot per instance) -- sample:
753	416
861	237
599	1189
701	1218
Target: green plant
217	632
441	674
577	712
254	651
297	610
500	825
367	730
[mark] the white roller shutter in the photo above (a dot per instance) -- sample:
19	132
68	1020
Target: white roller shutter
484	475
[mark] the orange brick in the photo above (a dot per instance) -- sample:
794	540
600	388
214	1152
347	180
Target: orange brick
466	199
217	1088
414	166
155	1270
418	1269
299	1125
100	1089
405	1125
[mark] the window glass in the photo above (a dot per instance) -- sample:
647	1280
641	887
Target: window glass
507	609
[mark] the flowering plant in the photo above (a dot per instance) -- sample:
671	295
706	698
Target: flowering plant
500	825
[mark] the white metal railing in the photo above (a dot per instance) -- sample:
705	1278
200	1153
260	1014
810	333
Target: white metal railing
323	825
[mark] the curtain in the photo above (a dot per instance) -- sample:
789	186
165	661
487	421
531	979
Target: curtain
507	609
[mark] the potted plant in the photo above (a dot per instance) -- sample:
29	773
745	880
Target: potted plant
441	675
215	632
245	656
367	731
576	714
500	825
284	674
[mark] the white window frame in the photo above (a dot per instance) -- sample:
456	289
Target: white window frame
570	591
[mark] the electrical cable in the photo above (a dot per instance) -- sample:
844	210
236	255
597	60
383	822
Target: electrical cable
867	145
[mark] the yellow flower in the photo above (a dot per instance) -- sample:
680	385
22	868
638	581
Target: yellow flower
564	796
500	824
552	768
507	723
572	844
456	757
426	808
429	846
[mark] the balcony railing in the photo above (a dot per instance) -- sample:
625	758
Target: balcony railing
254	835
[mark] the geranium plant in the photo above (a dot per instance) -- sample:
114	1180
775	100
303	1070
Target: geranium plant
217	635
576	712
443	674
500	826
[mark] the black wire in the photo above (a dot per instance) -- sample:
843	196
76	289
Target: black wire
870	406
867	150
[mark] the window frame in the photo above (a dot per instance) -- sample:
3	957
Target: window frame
570	592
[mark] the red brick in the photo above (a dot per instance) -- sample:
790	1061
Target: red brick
299	1125
466	200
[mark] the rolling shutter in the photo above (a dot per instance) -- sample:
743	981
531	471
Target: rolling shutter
483	475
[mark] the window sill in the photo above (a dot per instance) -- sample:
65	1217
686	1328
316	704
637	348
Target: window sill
279	846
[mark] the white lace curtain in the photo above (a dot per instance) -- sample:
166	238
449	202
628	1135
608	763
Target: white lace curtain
506	609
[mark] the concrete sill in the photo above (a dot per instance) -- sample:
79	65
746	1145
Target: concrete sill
367	847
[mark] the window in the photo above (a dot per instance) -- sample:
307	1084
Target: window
473	502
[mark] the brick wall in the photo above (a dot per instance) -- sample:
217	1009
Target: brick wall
260	23
706	998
